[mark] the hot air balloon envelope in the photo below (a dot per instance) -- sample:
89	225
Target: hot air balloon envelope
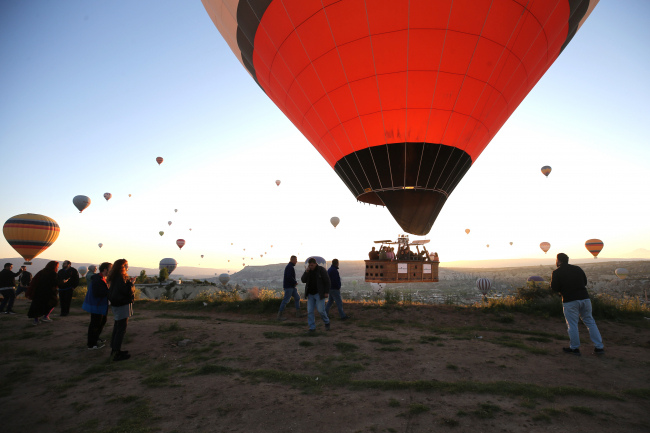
169	222
467	231
100	245
224	278
159	160
180	243
335	221
161	233
319	261
400	97
168	263
546	170
594	246
81	202
535	278
483	285
277	182
107	196
201	255
82	270
621	273
545	246
244	282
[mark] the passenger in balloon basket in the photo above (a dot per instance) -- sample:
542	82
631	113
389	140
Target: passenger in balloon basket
390	255
7	288
68	279
571	282
335	290
44	293
382	253
96	303
121	294
316	291
373	255
290	285
23	281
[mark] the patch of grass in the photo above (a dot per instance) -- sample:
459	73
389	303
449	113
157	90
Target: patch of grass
66	384
542	417
305	343
375	326
18	374
213	369
461	413
424	339
553	412
450	422
640	392
394	403
487	410
182	316
506	318
539	339
461	337
124	399
384	340
275	334
507	341
169	327
156	380
583	410
389	349
346	347
27	335
452	367
78	407
528	403
418	408
138	419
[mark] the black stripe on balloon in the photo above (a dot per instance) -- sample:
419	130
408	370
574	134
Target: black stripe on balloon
249	15
578	9
32	222
440	168
29	243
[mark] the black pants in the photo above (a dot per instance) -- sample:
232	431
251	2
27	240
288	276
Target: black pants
97	322
119	329
8	296
65	297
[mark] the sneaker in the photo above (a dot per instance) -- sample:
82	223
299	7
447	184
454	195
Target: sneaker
327	327
599	351
121	356
10	312
575	352
45	319
96	347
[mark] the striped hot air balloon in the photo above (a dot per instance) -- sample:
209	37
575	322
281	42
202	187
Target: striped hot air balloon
621	273
545	246
159	160
535	278
30	234
546	170
180	243
107	196
483	285
594	246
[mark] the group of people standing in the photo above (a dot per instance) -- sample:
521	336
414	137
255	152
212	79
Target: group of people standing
404	253
320	285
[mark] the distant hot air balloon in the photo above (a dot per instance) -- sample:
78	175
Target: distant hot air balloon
159	160
546	170
190	229
261	255
244	282
82	270
272	245
400	97
264	252
92	268
335	221
169	222
594	246
510	243
168	263
100	245
201	255
488	245
228	261
243	264
244	249
224	278
81	202
621	273
319	261
467	231
545	246
107	196
175	210
277	182
535	279
483	285
231	243
180	243
129	195
161	233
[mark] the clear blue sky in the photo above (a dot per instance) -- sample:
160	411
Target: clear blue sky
92	92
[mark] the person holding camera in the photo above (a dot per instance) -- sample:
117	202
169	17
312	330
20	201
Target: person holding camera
121	294
316	291
7	284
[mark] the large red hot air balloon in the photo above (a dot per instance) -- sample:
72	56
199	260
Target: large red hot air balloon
399	96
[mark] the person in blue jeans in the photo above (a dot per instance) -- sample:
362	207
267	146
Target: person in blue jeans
289	284
571	282
317	288
335	290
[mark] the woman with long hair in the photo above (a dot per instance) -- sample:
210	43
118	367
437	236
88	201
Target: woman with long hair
45	295
121	294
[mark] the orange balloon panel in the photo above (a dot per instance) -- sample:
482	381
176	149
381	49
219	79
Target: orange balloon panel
30	234
594	246
399	96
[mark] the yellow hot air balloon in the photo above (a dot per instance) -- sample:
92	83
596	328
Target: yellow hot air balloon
594	246
545	246
30	234
467	231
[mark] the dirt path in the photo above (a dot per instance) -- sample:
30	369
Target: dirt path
412	369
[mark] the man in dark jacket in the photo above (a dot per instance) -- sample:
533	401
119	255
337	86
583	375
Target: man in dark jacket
96	303
68	279
24	281
316	291
571	282
335	290
289	284
7	284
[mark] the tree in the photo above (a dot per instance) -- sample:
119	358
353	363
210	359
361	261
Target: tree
142	278
164	275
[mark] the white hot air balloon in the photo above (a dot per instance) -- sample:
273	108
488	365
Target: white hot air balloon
168	263
621	273
82	270
81	202
100	245
335	221
107	196
244	282
224	278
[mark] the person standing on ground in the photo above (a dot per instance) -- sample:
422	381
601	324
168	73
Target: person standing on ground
90	274
68	281
335	290
43	291
289	284
121	294
571	282
7	288
96	303
23	281
316	291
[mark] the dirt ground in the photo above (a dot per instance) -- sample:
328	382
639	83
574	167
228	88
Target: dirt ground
396	369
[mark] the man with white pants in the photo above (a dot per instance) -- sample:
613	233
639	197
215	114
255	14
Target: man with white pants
571	282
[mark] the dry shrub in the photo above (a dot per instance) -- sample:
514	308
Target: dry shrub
254	293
